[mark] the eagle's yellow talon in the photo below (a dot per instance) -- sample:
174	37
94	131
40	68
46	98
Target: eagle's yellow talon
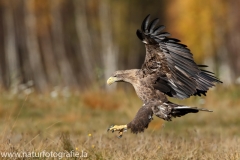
120	128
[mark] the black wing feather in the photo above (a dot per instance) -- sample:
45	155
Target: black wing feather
152	25
144	26
157	30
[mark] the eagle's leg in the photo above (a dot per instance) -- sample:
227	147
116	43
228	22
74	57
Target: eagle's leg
138	124
120	128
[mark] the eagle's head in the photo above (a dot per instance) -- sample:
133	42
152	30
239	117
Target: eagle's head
123	76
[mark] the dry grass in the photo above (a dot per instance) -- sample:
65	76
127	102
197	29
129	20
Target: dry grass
79	122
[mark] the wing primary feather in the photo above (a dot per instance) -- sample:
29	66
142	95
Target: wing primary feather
173	40
202	65
157	30
206	71
145	22
180	51
179	45
183	50
163	34
152	25
186	61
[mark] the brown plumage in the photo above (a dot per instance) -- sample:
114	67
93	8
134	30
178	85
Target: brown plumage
168	69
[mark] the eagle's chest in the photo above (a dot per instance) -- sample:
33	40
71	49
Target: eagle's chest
145	91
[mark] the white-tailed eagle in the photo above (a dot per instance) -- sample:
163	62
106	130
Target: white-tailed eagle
168	70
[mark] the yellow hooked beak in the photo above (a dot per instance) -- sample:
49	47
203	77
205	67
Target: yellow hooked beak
111	80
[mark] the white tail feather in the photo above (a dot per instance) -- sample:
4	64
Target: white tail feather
187	107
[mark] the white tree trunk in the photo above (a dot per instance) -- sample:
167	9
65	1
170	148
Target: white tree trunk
33	47
10	48
109	50
64	65
49	59
85	44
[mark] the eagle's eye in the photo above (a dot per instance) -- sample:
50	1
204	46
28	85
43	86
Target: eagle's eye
115	75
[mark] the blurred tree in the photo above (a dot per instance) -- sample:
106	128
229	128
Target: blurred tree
85	41
233	37
45	41
66	71
204	27
108	48
34	53
12	64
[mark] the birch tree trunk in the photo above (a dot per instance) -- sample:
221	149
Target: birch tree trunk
33	47
10	49
233	37
85	44
49	59
109	50
20	36
3	80
58	42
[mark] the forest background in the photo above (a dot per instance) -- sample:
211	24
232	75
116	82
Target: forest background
80	43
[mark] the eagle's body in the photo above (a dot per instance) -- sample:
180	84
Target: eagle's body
143	86
168	69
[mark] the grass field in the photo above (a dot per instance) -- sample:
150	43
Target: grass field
64	121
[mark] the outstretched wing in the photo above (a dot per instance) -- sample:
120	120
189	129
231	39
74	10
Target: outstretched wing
171	63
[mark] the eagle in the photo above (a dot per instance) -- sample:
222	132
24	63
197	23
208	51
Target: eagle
168	70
